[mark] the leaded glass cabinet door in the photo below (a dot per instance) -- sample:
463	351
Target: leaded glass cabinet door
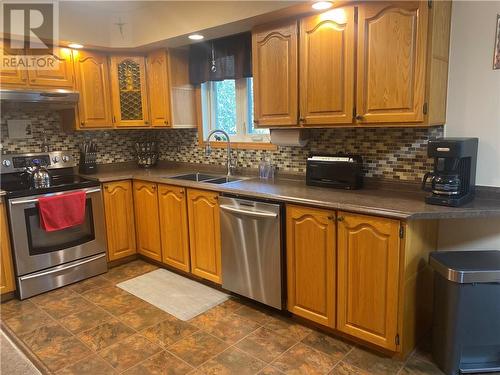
128	81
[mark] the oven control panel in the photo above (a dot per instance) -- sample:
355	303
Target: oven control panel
51	160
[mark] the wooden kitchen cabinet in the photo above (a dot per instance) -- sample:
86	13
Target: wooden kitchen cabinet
368	255
310	242
391	63
147	221
204	234
16	77
326	78
7	282
119	214
92	81
275	74
128	91
159	88
174	226
60	77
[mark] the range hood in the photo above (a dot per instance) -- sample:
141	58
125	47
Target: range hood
55	98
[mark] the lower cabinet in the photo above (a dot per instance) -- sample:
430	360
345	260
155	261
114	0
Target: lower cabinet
311	263
368	254
7	283
119	214
147	219
204	234
174	226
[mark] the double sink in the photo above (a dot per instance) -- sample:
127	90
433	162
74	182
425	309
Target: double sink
210	179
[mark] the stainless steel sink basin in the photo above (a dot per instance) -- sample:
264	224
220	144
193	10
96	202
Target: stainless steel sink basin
198	177
223	180
210	179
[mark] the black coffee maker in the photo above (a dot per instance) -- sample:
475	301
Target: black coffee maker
454	177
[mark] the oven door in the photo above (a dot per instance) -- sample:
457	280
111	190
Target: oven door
35	249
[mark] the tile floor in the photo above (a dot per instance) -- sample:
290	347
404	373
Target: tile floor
93	327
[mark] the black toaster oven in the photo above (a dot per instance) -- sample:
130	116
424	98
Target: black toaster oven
340	171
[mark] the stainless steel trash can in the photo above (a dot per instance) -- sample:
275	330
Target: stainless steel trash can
466	325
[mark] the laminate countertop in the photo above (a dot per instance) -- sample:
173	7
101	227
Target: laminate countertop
393	201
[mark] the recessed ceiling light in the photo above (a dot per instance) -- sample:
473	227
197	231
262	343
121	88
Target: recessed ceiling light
322	5
196	37
75	45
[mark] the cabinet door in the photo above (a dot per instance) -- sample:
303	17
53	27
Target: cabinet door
368	278
119	213
61	76
147	220
158	88
7	283
392	40
204	234
92	81
128	91
16	76
274	62
327	68
311	263
174	226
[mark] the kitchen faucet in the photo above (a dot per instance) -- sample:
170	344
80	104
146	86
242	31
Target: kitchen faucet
208	149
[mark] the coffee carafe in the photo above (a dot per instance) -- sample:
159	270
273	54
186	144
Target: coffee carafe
452	182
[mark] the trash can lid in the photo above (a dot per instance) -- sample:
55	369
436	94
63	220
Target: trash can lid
467	266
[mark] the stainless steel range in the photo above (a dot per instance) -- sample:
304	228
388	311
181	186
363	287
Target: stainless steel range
47	260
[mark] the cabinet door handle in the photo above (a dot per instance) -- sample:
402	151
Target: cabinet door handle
302	120
153	187
82	123
331	217
340	218
359	117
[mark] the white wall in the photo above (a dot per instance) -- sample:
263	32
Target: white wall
473	86
474	111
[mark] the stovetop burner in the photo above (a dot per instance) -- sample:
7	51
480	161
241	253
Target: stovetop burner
16	184
19	187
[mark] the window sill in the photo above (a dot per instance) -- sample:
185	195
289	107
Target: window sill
242	145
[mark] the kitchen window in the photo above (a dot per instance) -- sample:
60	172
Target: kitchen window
228	105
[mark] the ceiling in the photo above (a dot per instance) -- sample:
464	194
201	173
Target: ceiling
133	24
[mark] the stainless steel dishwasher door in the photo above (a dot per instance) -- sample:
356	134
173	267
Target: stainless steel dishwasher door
251	249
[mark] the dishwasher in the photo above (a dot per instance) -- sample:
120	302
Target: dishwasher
252	253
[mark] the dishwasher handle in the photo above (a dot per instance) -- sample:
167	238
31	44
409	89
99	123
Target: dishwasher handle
256	214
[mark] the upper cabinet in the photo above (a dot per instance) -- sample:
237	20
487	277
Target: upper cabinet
158	88
128	91
274	61
61	76
392	43
369	64
327	68
92	81
14	77
172	99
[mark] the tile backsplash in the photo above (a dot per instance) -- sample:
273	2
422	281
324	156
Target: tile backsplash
388	153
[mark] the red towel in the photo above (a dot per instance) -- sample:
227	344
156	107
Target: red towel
62	211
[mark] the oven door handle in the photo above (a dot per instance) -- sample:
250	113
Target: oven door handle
26	201
62	268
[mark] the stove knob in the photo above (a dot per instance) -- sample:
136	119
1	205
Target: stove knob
6	163
65	158
56	159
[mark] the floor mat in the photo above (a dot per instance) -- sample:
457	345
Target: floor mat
12	360
177	295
